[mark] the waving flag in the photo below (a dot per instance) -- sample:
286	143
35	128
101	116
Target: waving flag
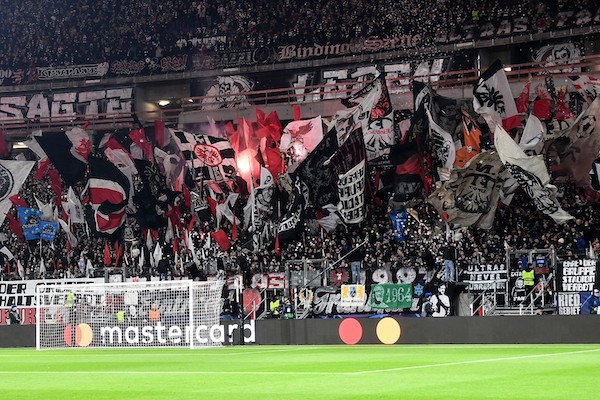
68	152
584	146
300	138
210	158
493	99
470	196
12	176
532	175
587	86
48	230
444	147
30	221
472	140
109	191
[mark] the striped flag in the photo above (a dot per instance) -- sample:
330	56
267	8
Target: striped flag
210	158
109	191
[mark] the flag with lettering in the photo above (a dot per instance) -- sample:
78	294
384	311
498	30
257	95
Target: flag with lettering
351	193
291	224
30	221
378	133
48	230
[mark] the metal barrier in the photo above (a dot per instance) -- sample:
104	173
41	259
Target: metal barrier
459	80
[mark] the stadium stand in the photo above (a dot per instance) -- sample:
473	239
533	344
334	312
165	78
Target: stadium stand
58	34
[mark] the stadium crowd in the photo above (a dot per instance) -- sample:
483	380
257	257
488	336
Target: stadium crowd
518	225
59	32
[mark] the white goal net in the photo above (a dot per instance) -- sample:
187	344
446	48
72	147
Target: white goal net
136	314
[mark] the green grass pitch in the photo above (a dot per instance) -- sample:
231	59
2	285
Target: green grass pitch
305	372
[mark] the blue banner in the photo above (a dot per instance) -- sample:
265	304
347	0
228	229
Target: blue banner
399	219
48	230
30	220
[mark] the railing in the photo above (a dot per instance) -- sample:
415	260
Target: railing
527	306
462	80
486	306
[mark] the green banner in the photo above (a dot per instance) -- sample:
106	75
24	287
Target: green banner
391	296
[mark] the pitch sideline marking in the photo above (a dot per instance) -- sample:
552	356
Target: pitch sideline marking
298	372
375	371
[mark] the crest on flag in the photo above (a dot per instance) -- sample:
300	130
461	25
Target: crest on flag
353	295
12	176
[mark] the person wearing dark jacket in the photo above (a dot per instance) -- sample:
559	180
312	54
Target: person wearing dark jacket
13	314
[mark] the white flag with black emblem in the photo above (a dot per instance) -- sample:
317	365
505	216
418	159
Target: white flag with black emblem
532	175
12	177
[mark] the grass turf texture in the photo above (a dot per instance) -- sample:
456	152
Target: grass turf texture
305	372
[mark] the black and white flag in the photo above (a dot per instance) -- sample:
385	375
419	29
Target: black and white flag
532	175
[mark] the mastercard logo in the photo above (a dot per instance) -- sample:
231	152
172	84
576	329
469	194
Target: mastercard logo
83	335
388	331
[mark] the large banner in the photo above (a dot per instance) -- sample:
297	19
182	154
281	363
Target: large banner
20	75
66	105
482	277
351	191
225	90
575	281
22	294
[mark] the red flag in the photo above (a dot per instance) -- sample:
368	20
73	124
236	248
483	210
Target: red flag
412	166
15	226
18	201
296	112
541	109
187	197
212	204
192	223
221	238
175	245
56	183
43	166
268	127
277	246
562	109
4	153
118	253
107	259
522	101
139	137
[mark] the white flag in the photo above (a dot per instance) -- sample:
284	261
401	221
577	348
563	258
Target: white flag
12	176
443	143
493	98
4	250
533	134
20	269
532	175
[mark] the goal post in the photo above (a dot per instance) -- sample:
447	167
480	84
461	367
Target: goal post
134	314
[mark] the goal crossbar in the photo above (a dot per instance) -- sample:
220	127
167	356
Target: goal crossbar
133	314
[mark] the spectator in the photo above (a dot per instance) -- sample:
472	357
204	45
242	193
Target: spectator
13	315
591	304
